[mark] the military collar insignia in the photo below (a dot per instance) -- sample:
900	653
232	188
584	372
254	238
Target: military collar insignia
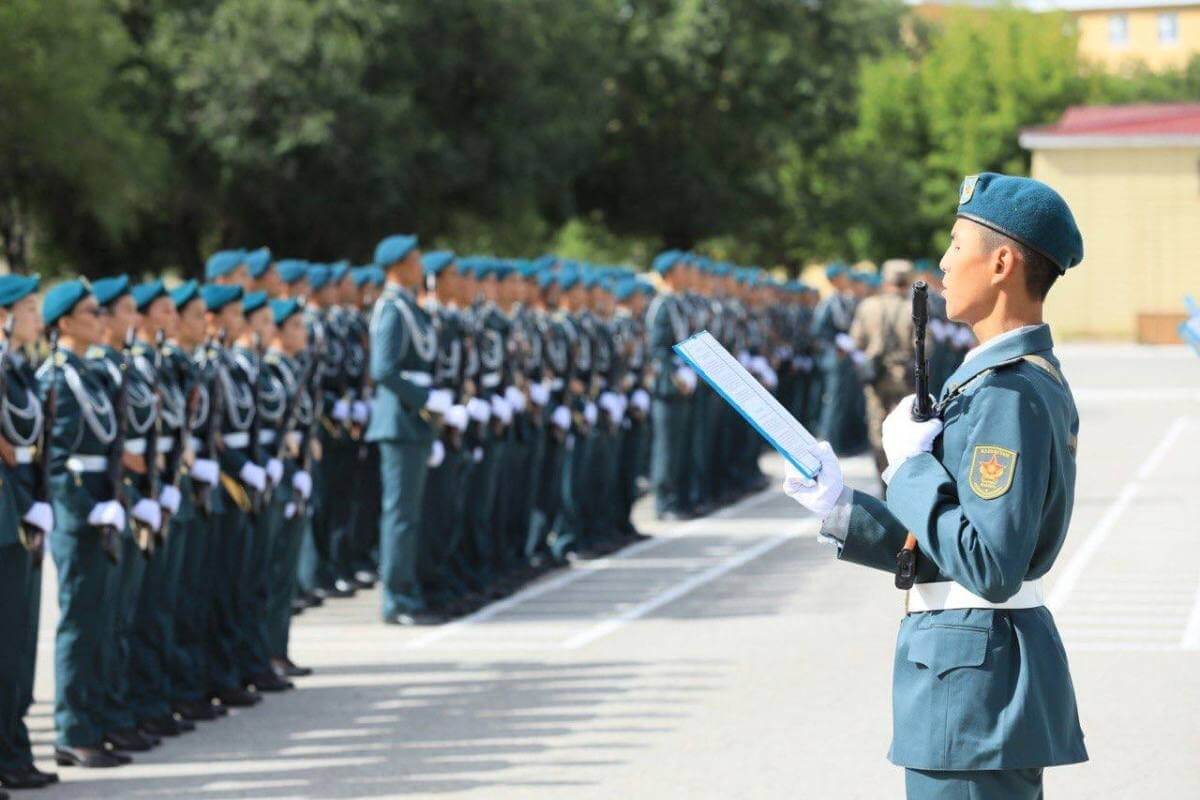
991	473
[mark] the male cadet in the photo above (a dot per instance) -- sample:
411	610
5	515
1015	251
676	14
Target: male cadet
882	333
253	585
155	642
262	273
674	383
26	520
240	479
556	366
403	354
190	592
87	519
112	360
982	695
364	537
832	319
285	376
629	335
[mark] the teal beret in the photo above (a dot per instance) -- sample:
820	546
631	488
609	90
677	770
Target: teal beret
146	293
253	301
568	278
433	263
834	270
544	262
217	296
546	279
16	287
664	261
360	275
624	289
376	275
338	271
291	270
502	269
393	249
281	310
318	276
184	294
106	290
61	300
1025	210
257	261
222	262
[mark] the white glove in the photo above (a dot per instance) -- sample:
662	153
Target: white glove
107	513
40	516
539	393
360	412
590	413
844	343
819	495
686	376
611	405
501	410
437	453
858	357
769	378
477	455
253	476
341	410
148	512
169	498
515	398
289	510
479	410
759	364
561	418
457	417
641	400
302	483
205	471
743	358
439	401
904	438
275	471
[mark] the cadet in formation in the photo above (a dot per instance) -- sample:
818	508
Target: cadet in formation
982	694
185	453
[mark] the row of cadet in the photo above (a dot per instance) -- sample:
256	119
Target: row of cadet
205	461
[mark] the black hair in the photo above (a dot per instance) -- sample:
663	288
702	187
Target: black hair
1040	272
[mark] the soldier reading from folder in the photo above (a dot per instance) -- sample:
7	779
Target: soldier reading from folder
982	694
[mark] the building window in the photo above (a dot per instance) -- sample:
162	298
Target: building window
1168	28
1118	30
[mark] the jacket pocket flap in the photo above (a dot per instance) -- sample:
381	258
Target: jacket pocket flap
943	648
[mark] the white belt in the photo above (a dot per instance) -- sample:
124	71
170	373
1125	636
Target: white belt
419	378
24	455
164	444
135	446
941	595
87	463
490	380
236	439
266	437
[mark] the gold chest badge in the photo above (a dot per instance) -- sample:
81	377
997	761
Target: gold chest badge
992	470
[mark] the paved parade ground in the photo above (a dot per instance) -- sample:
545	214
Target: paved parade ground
727	657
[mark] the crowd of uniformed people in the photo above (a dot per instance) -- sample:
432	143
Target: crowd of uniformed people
204	461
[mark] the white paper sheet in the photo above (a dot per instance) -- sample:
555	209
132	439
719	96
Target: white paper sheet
740	389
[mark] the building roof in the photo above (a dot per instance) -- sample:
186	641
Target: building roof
1140	125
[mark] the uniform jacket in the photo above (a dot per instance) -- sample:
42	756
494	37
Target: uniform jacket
981	689
402	340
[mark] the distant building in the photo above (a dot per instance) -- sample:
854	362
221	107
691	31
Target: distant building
1115	33
1131	174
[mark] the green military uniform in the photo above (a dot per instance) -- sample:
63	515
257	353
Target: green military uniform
403	353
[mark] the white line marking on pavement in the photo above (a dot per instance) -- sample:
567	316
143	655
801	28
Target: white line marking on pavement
1191	634
586	637
573	574
1065	582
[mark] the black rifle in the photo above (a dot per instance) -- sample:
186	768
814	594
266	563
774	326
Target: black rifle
153	479
922	410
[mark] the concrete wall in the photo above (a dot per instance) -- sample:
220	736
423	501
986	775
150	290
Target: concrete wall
1139	211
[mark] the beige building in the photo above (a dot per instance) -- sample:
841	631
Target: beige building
1131	174
1115	33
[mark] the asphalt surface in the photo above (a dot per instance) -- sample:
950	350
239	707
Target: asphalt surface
729	657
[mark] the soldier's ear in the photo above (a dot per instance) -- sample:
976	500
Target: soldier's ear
1004	263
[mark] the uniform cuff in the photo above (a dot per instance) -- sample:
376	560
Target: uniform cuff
836	524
